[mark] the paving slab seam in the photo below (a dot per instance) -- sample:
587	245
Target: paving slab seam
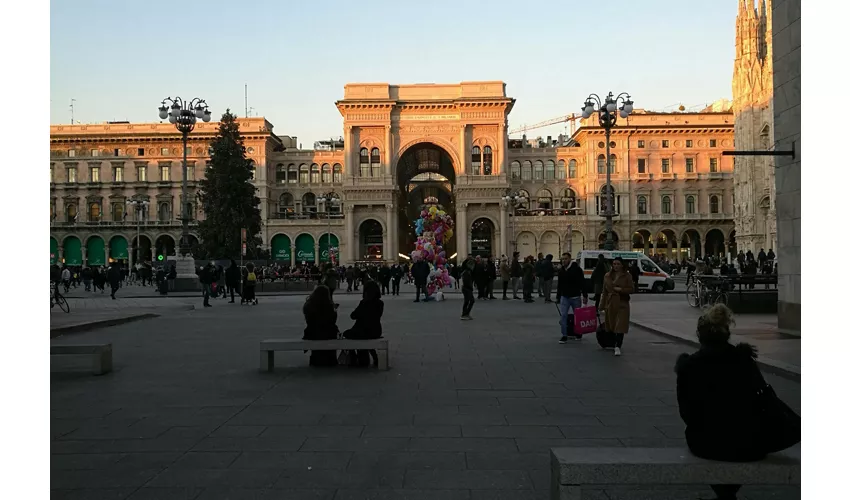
97	324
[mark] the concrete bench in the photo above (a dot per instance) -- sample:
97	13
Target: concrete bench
268	348
97	357
577	468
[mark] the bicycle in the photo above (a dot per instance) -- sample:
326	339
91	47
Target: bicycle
701	294
57	299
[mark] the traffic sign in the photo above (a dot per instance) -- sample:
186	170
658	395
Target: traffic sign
244	250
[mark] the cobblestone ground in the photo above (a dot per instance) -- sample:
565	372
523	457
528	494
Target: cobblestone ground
468	410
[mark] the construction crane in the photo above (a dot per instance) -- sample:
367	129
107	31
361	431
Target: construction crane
554	121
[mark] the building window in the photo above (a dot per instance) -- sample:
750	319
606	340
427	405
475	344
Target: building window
71	212
561	173
94	152
71	174
164	211
475	166
666	204
303	174
375	162
526	170
163	151
488	160
142	174
314	173
364	162
308	203
515	171
286	204
665	143
641	165
337	172
550	170
72	153
689	143
280	174
94	174
140	152
326	173
292	174
665	165
641	144
573	173
712	143
712	165
116	152
538	170
544	199
165	173
600	164
117	212
568	200
524	194
714	204
689	165
118	174
641	205
690	204
613	164
94	212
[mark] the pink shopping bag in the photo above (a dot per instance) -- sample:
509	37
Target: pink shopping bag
585	318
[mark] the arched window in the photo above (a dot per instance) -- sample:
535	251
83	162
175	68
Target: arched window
515	171
550	170
488	160
475	165
562	170
666	204
286	205
303	174
376	162
164	211
526	170
523	193
94	212
337	172
71	212
573	172
364	162
544	199
292	174
538	170
600	164
280	174
308	203
314	173
117	212
641	205
326	174
613	164
568	200
690	205
714	204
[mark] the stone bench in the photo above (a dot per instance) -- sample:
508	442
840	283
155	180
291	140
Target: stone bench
577	468
97	357
268	348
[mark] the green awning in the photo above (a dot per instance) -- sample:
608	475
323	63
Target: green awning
54	251
72	251
95	254
323	247
118	248
282	248
305	249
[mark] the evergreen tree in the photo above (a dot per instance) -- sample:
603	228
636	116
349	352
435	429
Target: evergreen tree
228	197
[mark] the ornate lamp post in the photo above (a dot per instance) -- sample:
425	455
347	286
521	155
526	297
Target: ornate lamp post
140	207
607	119
329	200
513	200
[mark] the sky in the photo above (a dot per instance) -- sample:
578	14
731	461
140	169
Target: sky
118	60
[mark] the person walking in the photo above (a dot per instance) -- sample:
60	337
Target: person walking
66	278
231	279
206	277
616	294
330	279
528	279
420	271
597	278
114	278
466	288
397	273
491	276
384	275
570	295
547	275
479	276
516	274
538	273
349	277
505	272
635	272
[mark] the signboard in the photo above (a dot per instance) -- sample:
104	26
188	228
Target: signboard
305	255
404	117
244	235
244	249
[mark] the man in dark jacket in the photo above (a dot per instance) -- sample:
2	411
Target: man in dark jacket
491	276
516	274
397	273
206	277
114	278
468	297
538	273
571	294
547	274
479	276
634	270
420	271
231	279
384	276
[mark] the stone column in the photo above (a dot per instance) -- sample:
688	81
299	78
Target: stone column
461	169
503	222
388	151
389	244
503	150
350	243
462	233
316	252
60	255
291	256
84	252
350	150
106	253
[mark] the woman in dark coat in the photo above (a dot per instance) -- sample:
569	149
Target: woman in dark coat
320	314
367	322
716	389
231	278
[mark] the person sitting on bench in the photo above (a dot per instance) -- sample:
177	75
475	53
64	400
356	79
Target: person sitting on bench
320	314
367	323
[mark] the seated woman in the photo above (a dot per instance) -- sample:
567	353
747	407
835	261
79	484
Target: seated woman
320	314
717	389
367	322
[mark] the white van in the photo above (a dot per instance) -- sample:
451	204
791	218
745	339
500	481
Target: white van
651	278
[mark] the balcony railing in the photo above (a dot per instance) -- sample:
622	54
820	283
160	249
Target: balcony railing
716	175
690	176
668	175
547	212
303	216
127	223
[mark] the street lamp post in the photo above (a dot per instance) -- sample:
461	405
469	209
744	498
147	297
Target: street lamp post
184	114
139	206
513	200
329	200
607	119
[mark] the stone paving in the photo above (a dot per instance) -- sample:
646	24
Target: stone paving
467	411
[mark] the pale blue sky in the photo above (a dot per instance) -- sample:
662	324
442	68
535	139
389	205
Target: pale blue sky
118	59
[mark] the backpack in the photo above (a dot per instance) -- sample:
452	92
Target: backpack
252	277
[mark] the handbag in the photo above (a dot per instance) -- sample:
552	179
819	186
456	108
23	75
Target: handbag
585	320
344	357
779	424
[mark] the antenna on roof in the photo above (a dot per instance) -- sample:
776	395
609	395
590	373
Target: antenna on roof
72	110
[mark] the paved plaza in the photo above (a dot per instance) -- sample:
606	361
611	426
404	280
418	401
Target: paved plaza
468	410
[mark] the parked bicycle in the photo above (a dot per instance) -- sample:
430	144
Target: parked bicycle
705	292
57	299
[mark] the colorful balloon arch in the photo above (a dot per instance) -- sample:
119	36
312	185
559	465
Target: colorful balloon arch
433	228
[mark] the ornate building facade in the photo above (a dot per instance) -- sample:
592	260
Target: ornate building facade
406	146
752	93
